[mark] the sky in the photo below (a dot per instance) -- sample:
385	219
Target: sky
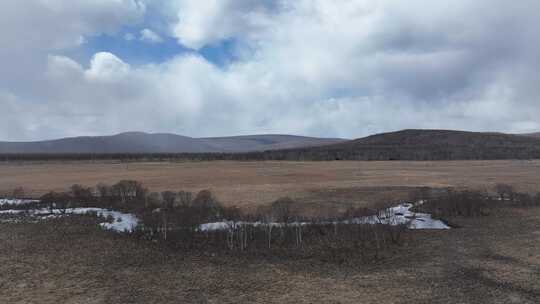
326	68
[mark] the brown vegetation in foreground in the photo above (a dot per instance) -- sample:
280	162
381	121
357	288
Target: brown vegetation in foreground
492	260
178	219
279	229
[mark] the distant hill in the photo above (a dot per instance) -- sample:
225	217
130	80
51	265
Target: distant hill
138	142
401	145
420	145
535	135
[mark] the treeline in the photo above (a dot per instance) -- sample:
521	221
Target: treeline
472	203
329	153
198	222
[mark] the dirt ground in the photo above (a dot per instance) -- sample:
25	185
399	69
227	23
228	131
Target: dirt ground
494	259
253	183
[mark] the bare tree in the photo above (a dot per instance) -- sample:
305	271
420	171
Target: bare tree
282	209
421	193
524	199
169	199
104	191
536	199
129	190
206	207
505	191
153	200
81	194
185	198
57	201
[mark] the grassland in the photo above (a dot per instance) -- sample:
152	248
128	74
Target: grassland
493	259
248	184
490	259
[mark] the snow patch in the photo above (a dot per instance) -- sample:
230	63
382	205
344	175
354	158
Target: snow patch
216	226
122	222
404	215
399	215
16	202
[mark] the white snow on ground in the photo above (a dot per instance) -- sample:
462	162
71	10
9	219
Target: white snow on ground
216	226
15	202
224	225
123	222
11	211
399	215
413	220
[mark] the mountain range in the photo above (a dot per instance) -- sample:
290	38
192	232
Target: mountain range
423	145
401	145
139	142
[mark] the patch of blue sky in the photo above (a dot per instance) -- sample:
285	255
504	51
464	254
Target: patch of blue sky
221	54
136	52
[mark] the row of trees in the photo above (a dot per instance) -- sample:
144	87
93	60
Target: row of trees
494	149
204	224
198	221
471	203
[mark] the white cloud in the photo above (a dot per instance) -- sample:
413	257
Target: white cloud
106	66
200	23
315	67
60	65
149	36
56	24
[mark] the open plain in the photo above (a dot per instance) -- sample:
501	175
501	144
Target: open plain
249	184
485	259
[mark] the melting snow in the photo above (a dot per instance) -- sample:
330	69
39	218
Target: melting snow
399	215
122	222
404	215
16	202
215	226
125	222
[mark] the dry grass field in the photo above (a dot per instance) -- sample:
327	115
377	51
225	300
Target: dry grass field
487	259
248	184
494	259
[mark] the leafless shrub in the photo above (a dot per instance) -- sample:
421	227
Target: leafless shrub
358	212
168	199
184	198
466	203
281	232
153	200
57	200
282	210
82	195
175	219
129	191
418	194
527	200
505	192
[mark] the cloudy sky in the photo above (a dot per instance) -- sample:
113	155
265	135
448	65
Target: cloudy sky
221	67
